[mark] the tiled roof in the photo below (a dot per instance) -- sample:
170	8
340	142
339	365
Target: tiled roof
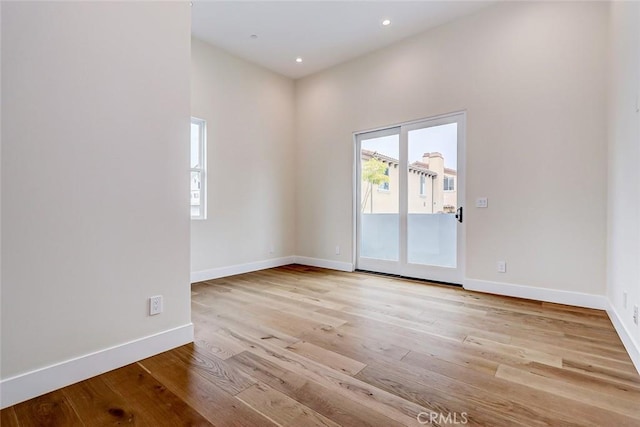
413	167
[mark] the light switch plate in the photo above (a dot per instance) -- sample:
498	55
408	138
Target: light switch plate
502	266
482	202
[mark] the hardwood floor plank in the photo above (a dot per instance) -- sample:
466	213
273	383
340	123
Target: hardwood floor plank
265	301
487	394
152	399
379	400
600	362
309	299
97	404
554	317
563	308
572	343
248	326
8	417
214	344
342	410
629	392
329	358
526	354
533	404
603	373
281	408
360	348
259	313
51	409
563	389
594	356
432	399
204	395
451	351
541	322
215	370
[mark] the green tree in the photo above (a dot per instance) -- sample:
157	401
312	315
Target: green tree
373	172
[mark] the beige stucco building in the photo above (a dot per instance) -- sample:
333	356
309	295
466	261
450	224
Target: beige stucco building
432	188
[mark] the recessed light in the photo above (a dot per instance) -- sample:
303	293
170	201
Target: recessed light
386	22
298	59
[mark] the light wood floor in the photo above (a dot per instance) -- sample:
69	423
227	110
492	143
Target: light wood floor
300	346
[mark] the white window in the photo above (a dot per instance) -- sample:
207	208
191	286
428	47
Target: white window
423	185
198	168
385	185
449	184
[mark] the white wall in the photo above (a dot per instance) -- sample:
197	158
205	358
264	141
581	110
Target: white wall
532	79
250	114
95	185
623	254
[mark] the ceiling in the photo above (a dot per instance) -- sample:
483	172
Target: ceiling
322	33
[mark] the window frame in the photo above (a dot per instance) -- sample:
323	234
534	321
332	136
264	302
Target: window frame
449	183
385	186
202	170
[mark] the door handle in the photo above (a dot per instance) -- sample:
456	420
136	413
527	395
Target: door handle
459	214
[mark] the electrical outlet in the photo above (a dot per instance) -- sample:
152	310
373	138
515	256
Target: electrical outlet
337	250
624	300
502	266
635	314
271	249
155	305
482	202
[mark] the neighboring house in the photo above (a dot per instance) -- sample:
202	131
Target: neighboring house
195	194
431	187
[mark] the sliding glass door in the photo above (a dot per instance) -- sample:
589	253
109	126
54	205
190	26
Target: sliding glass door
410	188
379	201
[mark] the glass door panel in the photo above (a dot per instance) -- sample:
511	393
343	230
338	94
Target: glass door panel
431	195
379	196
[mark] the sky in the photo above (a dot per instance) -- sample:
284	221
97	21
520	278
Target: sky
195	140
443	139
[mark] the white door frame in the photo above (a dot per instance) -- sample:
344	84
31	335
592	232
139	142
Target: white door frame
402	267
382	266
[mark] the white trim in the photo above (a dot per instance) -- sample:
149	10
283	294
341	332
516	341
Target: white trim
577	299
356	187
409	123
232	270
324	263
632	347
202	124
44	380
